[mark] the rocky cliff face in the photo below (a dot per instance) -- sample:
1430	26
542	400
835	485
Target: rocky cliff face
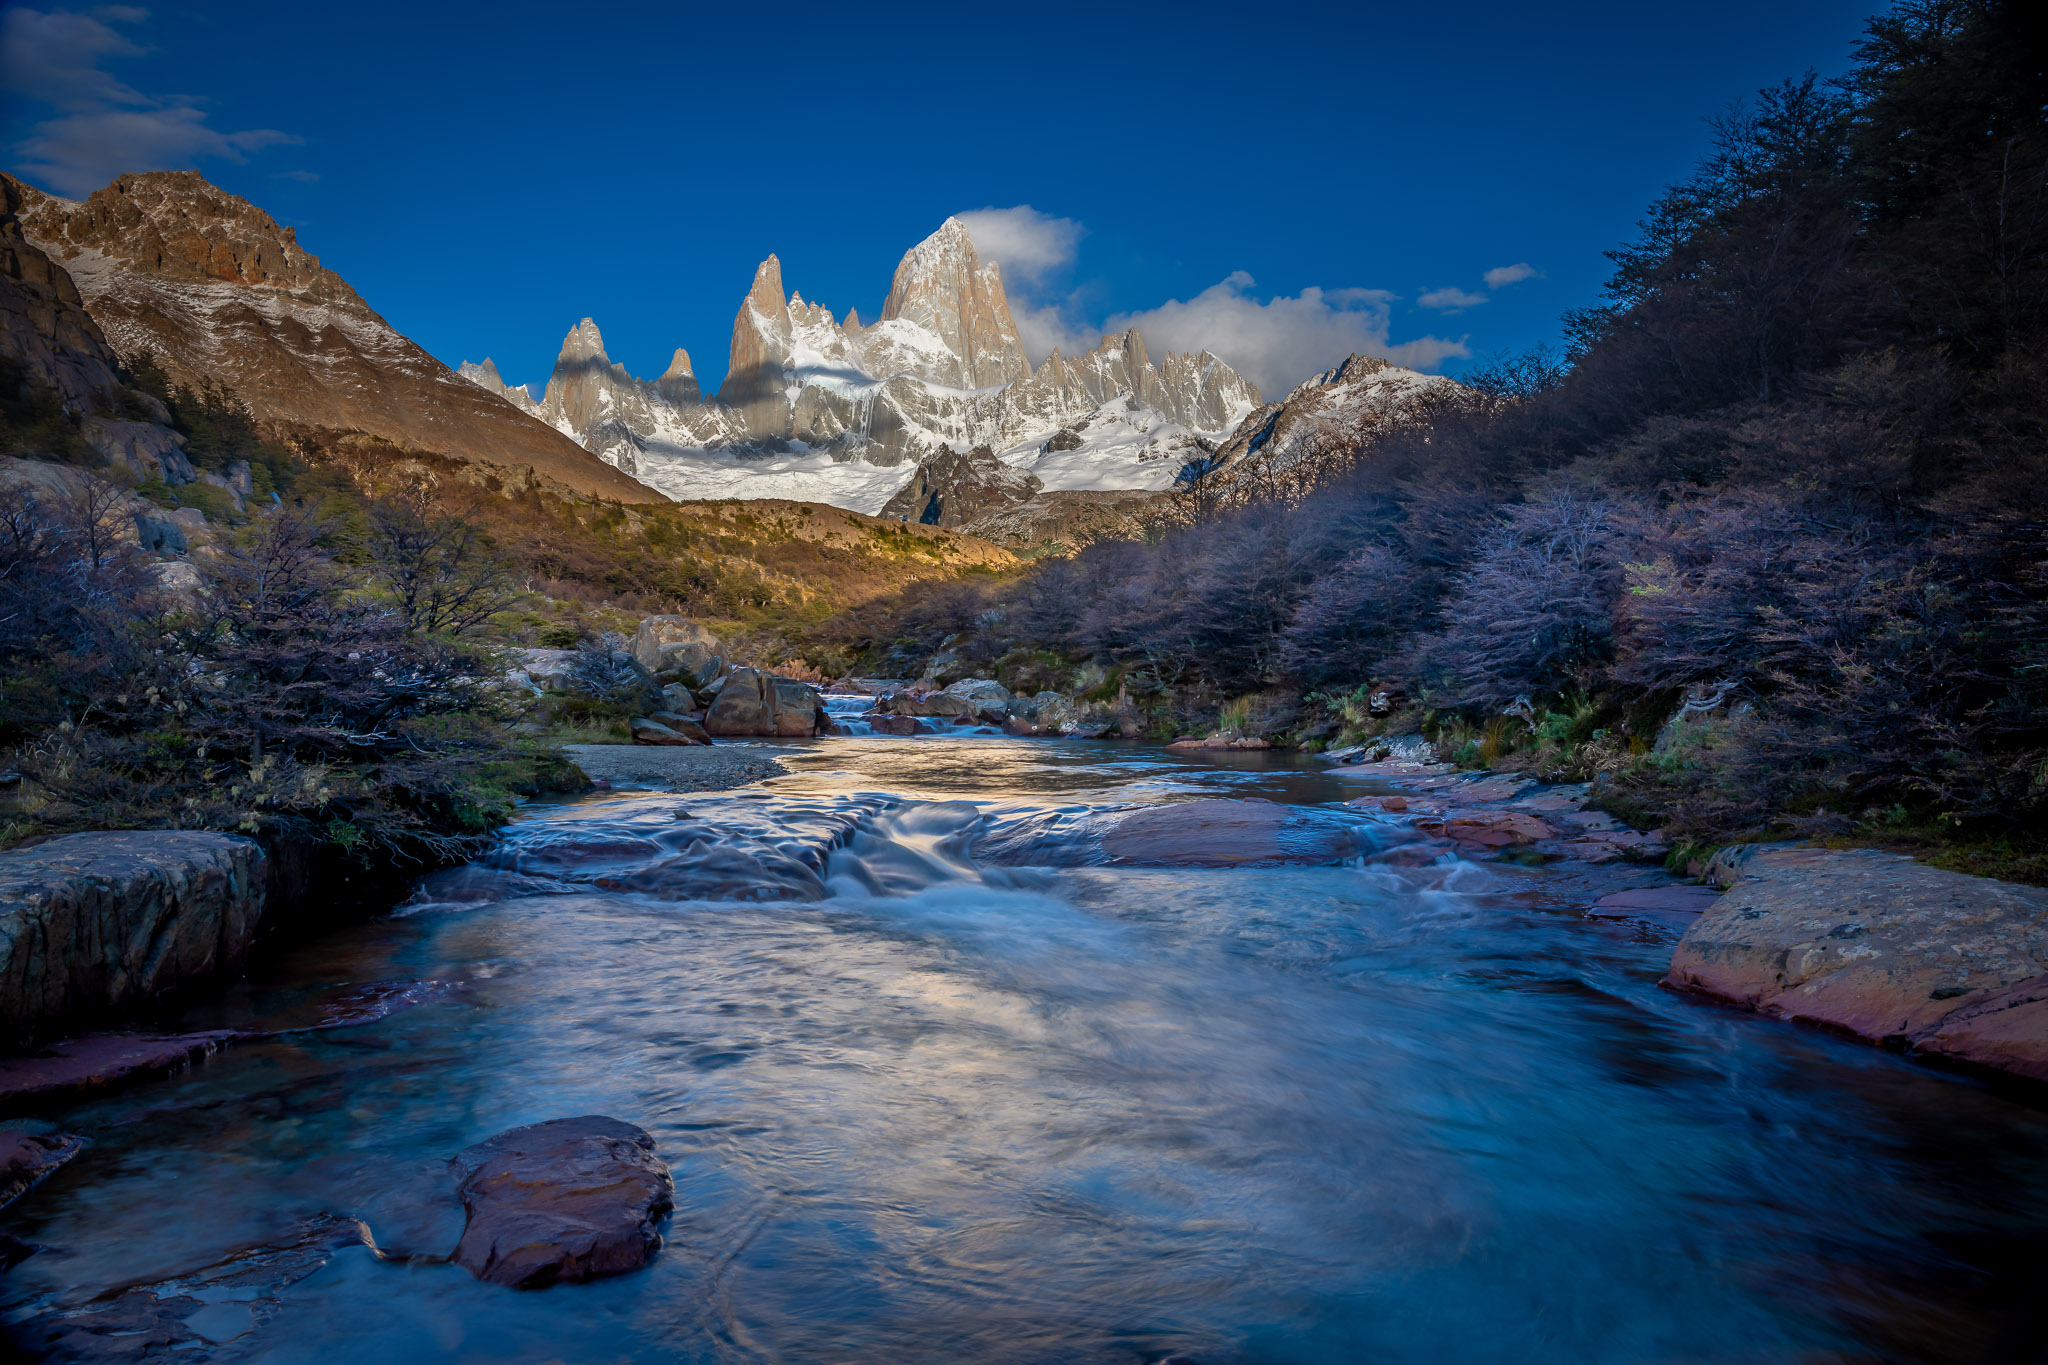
842	412
941	292
44	328
167	263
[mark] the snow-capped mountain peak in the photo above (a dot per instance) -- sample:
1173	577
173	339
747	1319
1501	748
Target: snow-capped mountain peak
842	412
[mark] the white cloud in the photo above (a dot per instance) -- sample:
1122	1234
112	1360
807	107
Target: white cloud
1281	341
103	126
1451	299
1029	245
1276	343
1511	274
1048	328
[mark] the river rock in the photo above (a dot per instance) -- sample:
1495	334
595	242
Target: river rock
944	705
26	1158
647	730
1222	833
1045	713
683	725
561	1201
985	692
181	1316
98	923
755	703
897	725
1879	946
97	1062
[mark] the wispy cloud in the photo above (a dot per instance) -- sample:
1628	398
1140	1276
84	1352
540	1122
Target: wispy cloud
1278	342
1275	342
1502	275
100	126
1451	300
1029	245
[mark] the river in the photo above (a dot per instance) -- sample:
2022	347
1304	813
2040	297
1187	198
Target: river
961	1090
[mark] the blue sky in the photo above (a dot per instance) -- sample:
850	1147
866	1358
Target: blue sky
1280	182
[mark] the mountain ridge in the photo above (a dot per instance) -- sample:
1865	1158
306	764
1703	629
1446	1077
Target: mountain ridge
217	291
844	412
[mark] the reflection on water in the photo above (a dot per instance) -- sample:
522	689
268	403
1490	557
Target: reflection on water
924	1107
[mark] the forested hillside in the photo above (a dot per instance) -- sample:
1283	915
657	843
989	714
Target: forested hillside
1763	548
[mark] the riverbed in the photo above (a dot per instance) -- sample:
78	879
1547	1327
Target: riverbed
942	1079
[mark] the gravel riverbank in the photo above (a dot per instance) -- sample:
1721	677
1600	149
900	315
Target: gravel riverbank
675	768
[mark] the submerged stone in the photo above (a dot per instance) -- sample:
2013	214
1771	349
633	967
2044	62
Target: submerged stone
562	1201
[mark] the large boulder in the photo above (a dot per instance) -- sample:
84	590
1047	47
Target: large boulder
550	670
665	644
647	730
755	703
562	1201
92	924
1877	945
149	450
1046	713
984	692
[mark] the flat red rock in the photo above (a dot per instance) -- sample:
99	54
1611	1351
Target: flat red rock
561	1201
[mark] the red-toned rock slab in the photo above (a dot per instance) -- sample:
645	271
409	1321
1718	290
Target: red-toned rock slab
562	1201
105	1061
25	1158
1882	947
102	1061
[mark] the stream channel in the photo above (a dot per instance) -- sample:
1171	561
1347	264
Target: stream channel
941	1080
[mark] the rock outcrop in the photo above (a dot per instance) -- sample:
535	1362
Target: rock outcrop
95	924
1879	946
220	293
562	1201
951	489
44	326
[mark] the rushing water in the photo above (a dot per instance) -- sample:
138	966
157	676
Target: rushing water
938	1083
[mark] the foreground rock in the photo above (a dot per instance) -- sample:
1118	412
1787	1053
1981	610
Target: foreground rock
92	924
26	1158
751	702
562	1201
1882	947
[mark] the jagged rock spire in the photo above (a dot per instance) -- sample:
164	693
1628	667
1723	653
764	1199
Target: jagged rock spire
943	286
678	383
754	383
